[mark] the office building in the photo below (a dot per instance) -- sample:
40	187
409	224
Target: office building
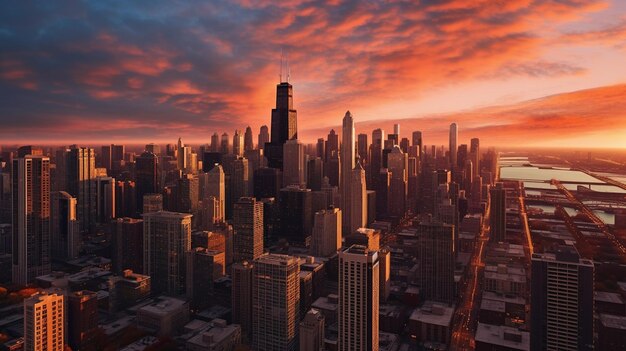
203	267
275	302
454	134
152	203
81	174
284	125
358	199
248	229
296	215
562	304
312	331
216	189
238	147
105	199
82	319
436	257
166	238
327	229
497	195
347	165
146	175
31	218
44	323
358	299
241	275
65	231
127	245
165	316
293	163
264	137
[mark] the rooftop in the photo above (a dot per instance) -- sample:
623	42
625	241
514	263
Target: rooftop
605	296
433	313
163	305
611	321
503	336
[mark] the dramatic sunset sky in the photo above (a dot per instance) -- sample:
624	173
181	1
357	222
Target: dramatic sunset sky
512	72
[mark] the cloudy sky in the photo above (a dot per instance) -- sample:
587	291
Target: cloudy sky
122	71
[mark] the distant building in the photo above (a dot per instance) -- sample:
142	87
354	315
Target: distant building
326	238
498	213
65	238
248	229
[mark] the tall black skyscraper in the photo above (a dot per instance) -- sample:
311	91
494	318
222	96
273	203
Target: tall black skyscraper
146	176
284	125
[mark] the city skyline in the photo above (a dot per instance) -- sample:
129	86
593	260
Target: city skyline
495	70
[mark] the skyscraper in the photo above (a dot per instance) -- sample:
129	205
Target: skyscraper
152	203
293	163
562	301
215	142
358	199
248	143
284	125
436	261
362	148
475	156
216	188
347	165
498	213
225	144
315	174
105	197
238	143
326	238
248	229
358	299
183	155
82	318
264	137
65	232
146	175
241	275
296	214
44	322
397	162
203	267
166	238
454	134
81	174
275	302
31	218
127	245
239	182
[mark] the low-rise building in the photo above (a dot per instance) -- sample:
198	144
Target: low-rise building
164	317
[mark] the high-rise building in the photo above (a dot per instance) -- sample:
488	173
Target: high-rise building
284	125
216	188
238	142
293	163
332	144
203	267
436	261
358	199
65	232
362	148
248	229
241	275
497	214
296	215
188	193
418	141
454	134
44	323
320	149
225	144
397	163
215	142
248	143
384	257
81	174
166	238
82	319
275	302
239	182
264	137
183	155
326	238
312	331
127	245
475	156
347	165
267	182
358	299
152	203
105	199
153	148
315	174
31	218
383	192
562	301
146	176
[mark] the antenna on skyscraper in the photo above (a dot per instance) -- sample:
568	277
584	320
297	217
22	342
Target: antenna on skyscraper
281	66
288	70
